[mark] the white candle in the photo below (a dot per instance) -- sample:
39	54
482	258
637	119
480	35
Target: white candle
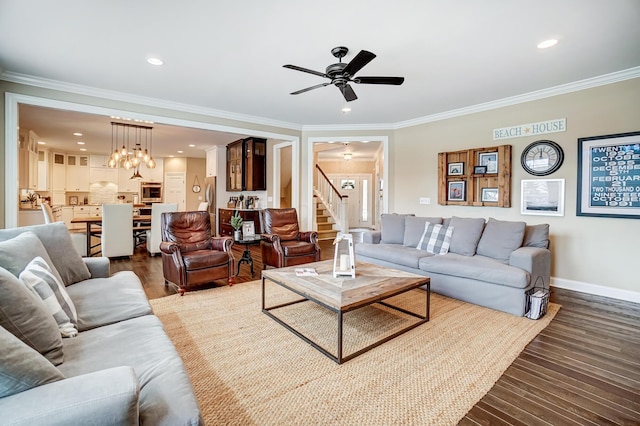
344	262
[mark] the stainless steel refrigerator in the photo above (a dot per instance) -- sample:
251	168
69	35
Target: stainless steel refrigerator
210	198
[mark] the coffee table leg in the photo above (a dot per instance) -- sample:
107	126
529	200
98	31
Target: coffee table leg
339	338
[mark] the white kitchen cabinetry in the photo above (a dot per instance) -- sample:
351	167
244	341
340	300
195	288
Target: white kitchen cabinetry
98	160
67	215
125	184
28	161
58	172
153	175
212	162
43	170
30	217
78	173
99	174
85	211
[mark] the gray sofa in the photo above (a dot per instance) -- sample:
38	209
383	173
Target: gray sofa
492	264
120	368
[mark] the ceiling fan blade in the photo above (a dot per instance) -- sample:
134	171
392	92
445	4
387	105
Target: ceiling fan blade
356	64
348	93
297	68
317	86
396	81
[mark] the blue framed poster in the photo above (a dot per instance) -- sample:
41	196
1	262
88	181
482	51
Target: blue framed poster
609	176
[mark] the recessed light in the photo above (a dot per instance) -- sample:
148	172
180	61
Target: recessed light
83	149
171	156
77	134
42	143
80	143
191	145
346	109
155	61
547	43
179	152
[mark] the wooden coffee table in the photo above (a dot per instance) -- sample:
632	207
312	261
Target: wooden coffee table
373	284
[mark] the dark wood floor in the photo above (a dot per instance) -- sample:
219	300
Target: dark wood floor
583	369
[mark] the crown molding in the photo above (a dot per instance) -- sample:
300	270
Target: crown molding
141	100
575	86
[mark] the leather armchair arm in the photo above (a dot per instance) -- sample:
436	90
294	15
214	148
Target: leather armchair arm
169	248
308	236
222	243
271	238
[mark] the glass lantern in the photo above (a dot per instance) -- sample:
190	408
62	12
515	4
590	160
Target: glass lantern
344	264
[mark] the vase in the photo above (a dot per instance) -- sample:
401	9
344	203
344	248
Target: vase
237	235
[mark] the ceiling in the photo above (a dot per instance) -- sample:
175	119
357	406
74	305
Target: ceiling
228	57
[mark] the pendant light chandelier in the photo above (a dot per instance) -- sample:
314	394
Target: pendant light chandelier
127	141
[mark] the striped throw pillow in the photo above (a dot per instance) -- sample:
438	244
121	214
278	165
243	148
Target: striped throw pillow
38	277
435	238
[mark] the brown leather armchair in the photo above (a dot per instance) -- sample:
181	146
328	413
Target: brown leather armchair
190	255
282	242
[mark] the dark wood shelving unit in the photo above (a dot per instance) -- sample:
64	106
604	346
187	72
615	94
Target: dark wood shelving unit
247	165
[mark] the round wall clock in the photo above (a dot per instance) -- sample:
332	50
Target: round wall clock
542	158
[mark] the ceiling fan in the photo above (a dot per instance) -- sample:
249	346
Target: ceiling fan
341	74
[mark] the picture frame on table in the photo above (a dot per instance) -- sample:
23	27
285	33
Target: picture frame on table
490	160
608	176
479	170
542	197
489	195
456	190
455	169
248	229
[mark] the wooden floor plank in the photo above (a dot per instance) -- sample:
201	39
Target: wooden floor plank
584	368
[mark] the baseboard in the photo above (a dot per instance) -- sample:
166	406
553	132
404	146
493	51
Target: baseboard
598	290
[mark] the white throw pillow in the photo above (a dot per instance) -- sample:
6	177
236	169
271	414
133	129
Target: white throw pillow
435	238
38	277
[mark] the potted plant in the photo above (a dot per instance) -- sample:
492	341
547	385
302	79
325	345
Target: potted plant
32	197
236	224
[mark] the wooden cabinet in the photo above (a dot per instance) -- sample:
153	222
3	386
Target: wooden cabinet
224	219
247	165
460	183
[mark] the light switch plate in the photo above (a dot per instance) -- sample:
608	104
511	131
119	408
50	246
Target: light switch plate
425	200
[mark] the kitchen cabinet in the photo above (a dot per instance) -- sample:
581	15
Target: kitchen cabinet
100	174
224	215
30	217
28	160
96	160
43	170
78	173
153	175
247	165
66	214
125	184
85	211
58	172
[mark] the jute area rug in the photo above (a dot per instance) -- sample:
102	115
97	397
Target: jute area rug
249	370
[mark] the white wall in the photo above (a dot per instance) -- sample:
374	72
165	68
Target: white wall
586	250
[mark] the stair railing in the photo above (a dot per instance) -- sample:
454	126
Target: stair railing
334	202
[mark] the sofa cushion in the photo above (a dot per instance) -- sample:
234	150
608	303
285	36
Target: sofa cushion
21	367
392	228
16	253
60	249
24	316
166	393
536	236
414	228
435	238
40	280
394	253
103	301
466	234
477	268
500	238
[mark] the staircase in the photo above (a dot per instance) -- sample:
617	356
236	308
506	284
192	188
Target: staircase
324	222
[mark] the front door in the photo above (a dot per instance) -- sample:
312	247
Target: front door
175	191
358	187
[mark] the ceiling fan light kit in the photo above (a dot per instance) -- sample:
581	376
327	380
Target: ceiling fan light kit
341	74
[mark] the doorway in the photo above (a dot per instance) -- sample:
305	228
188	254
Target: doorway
174	189
359	189
285	167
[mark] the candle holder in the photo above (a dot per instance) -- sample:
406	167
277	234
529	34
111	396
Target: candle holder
343	259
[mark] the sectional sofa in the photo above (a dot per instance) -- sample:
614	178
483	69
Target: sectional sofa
494	263
120	368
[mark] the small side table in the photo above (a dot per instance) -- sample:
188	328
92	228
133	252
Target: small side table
246	255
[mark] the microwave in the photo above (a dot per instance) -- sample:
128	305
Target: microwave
150	192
